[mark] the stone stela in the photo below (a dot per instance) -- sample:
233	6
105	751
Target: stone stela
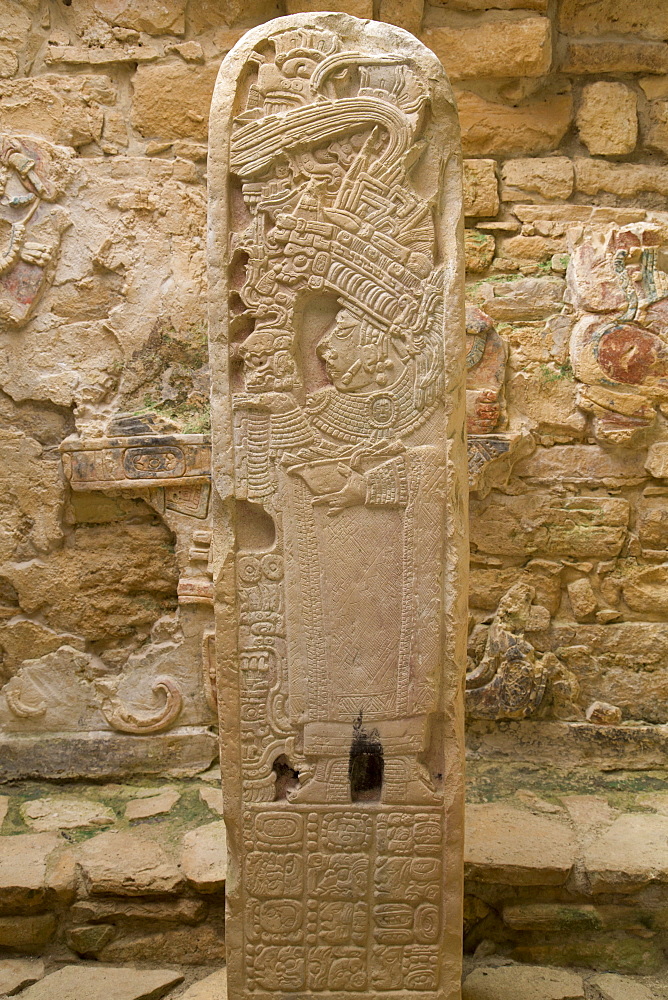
339	469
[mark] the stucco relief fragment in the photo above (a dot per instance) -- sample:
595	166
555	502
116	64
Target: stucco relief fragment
337	343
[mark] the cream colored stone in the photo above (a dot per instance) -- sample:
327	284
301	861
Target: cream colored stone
114	909
213	987
582	598
64	110
156	805
629	855
65	813
510	846
213	798
623	179
90	982
17	973
481	193
517	982
537	126
614	57
550	177
171	100
657	460
404	13
528	298
358	8
156	17
607	118
23	869
658	801
473	5
479	250
127	864
204	857
601	713
656	134
202	945
496	46
613	987
591	814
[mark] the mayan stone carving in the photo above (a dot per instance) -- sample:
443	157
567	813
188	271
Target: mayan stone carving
338	363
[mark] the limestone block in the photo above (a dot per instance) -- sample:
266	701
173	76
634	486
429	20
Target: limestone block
479	250
646	589
582	598
526	298
358	8
496	46
489	128
598	17
171	100
127	864
473	5
15	25
550	177
481	192
23	870
404	13
155	805
487	586
549	399
580	527
155	17
63	812
607	118
655	132
83	55
27	934
613	987
203	945
211	16
582	463
510	846
124	909
17	973
204	857
652	523
214	987
544	917
629	855
90	982
590	813
67	110
517	982
603	714
89	940
213	798
615	57
657	460
31	498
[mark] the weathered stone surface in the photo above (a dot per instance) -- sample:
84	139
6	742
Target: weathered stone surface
28	934
213	797
599	17
479	250
4	806
657	460
489	128
607	118
69	111
202	945
496	46
481	192
582	598
487	586
358	8
182	911
613	987
655	133
582	463
473	5
23	870
153	805
127	864
550	177
65	813
31	504
629	855
156	17
604	714
580	527
516	847
404	13
81	982
214	987
550	402
17	973
204	857
527	298
171	100
513	982
89	940
615	57
647	588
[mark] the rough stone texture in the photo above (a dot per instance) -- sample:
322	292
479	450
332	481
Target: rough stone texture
607	118
212	988
17	973
516	847
23	870
613	987
203	945
629	854
126	864
615	57
29	934
171	101
91	983
204	857
66	814
213	797
481	193
598	17
517	983
491	128
496	46
153	805
550	177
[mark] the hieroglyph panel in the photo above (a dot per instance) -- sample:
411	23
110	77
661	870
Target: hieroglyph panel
338	363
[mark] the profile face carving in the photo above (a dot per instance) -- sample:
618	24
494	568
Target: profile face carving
358	356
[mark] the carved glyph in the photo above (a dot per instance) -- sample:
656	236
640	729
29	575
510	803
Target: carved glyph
337	347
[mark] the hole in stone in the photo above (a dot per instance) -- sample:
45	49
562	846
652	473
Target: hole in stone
255	528
366	764
287	779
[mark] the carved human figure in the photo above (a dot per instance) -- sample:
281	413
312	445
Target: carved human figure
342	196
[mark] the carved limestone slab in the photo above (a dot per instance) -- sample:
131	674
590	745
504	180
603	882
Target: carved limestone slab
339	534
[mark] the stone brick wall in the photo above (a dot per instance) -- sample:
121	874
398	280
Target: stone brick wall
105	600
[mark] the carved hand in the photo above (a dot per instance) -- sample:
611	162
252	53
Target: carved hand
36	253
353	493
